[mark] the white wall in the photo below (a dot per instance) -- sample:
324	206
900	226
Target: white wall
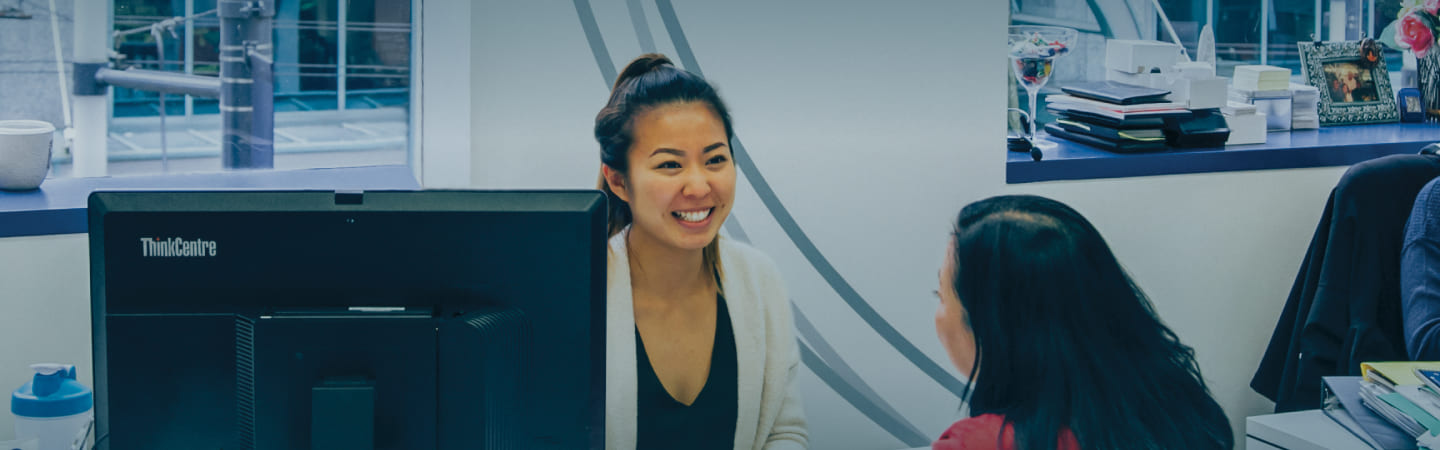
32	87
875	122
44	311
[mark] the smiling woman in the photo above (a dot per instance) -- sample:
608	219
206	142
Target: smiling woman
699	354
683	174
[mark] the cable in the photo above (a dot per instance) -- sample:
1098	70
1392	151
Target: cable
60	69
1164	19
155	31
167	23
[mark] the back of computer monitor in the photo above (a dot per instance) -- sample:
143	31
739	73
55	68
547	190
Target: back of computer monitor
415	320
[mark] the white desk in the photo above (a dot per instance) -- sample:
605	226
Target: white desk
1301	430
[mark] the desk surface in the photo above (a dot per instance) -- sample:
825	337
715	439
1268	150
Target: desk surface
1301	430
1327	146
58	207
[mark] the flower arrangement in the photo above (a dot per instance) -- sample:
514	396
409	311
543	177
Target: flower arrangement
1419	24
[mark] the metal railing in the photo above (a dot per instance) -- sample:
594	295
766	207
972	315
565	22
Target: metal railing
340	71
1348	25
244	87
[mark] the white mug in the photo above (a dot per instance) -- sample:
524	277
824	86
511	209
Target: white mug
24	153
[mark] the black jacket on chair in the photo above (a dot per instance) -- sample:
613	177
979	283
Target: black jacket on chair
1344	307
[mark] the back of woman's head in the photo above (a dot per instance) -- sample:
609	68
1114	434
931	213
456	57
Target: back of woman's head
1065	339
649	81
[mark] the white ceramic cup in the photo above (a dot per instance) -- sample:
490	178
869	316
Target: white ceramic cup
24	153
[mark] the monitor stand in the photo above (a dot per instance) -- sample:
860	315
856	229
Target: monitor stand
342	414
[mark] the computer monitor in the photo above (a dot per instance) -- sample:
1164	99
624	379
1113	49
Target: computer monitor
322	320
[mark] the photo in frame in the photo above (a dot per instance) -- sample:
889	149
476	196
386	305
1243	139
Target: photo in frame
1353	82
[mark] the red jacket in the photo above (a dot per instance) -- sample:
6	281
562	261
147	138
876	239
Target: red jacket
983	432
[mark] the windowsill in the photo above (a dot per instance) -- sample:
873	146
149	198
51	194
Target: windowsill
1328	146
58	207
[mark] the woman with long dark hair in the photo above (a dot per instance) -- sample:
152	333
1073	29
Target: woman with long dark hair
1062	349
700	352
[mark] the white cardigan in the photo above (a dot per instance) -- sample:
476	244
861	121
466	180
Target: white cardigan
769	414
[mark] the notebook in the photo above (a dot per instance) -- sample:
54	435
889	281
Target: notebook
1134	123
1114	115
1207	128
1111	133
1138	107
1114	146
1116	92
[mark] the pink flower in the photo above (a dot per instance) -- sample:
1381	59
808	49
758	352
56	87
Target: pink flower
1414	33
1431	6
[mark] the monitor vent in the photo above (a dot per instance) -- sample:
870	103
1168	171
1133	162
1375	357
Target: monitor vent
245	382
505	334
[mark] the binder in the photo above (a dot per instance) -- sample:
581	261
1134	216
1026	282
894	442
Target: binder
1399	373
1343	401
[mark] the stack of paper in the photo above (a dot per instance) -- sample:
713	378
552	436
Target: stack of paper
1305	107
1394	392
1383	401
1238	109
1262	78
1250	96
1274	104
1247	126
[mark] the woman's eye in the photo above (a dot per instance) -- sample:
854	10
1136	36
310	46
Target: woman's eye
668	165
718	160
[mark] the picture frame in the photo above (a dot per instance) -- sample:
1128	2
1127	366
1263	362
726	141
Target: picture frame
1412	106
1353	90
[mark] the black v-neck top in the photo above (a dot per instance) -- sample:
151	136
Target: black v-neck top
708	423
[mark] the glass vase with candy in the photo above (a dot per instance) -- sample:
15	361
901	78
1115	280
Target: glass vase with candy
1033	50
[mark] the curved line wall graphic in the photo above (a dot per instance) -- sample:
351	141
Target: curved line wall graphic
863	398
802	241
642	26
597	42
821	358
816	352
837	374
912	437
840	378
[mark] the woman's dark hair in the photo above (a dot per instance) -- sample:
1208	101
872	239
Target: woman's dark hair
1065	340
649	81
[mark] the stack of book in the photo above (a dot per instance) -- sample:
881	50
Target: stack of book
1261	78
1304	107
1113	116
1391	406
